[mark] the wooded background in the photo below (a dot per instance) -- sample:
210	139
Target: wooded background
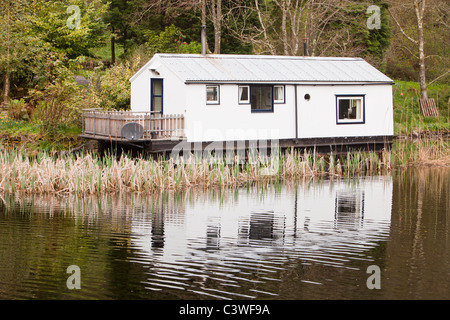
43	44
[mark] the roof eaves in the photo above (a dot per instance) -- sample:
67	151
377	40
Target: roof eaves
144	67
318	82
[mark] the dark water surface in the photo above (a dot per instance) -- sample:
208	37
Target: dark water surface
308	240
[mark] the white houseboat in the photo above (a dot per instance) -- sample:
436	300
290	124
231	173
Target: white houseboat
298	101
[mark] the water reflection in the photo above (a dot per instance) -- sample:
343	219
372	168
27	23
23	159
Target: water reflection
309	240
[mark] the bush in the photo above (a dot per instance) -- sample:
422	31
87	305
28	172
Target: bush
58	104
112	89
17	109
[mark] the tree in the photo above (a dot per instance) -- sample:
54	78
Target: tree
51	20
419	9
282	26
171	40
377	37
118	17
21	51
216	16
156	15
429	17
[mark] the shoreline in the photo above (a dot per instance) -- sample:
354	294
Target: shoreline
88	173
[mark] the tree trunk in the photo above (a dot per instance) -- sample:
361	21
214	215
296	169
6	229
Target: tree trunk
204	12
6	84
113	50
420	8
217	20
283	27
6	87
268	43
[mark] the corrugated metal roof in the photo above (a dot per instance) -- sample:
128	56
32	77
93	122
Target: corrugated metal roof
261	68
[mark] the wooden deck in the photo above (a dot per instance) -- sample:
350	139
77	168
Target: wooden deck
111	125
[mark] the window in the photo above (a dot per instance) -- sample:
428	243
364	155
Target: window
349	206
244	94
278	94
212	95
261	98
349	109
157	95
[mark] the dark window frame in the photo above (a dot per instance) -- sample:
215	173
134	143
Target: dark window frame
363	108
252	87
153	80
218	94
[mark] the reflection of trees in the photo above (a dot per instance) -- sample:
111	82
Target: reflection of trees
420	229
40	236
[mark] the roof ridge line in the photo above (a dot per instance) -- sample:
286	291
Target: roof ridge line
244	56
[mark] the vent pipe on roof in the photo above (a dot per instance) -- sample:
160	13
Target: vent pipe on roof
203	36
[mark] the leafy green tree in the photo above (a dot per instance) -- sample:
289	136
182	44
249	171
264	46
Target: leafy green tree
21	51
171	40
378	39
119	19
71	32
57	99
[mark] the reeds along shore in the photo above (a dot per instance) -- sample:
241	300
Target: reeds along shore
92	174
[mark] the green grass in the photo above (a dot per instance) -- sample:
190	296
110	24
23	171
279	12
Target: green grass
28	135
104	52
17	127
407	116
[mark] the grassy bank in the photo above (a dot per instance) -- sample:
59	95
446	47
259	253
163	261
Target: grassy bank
91	174
29	136
408	119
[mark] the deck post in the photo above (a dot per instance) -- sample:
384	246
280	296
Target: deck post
109	124
82	121
122	120
93	122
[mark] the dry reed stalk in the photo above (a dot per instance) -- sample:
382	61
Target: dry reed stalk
89	174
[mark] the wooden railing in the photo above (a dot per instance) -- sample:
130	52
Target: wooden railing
100	124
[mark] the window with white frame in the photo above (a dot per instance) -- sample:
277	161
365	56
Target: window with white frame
212	94
244	94
349	109
278	94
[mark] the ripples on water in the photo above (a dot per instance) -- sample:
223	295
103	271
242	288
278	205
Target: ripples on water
304	241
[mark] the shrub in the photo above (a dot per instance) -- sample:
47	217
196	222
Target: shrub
54	106
17	109
59	103
112	89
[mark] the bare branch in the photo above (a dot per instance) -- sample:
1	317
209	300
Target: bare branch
261	21
401	29
441	76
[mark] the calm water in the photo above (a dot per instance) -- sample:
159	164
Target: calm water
309	240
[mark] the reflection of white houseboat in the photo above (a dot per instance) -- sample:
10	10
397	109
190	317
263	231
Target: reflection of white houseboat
322	216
